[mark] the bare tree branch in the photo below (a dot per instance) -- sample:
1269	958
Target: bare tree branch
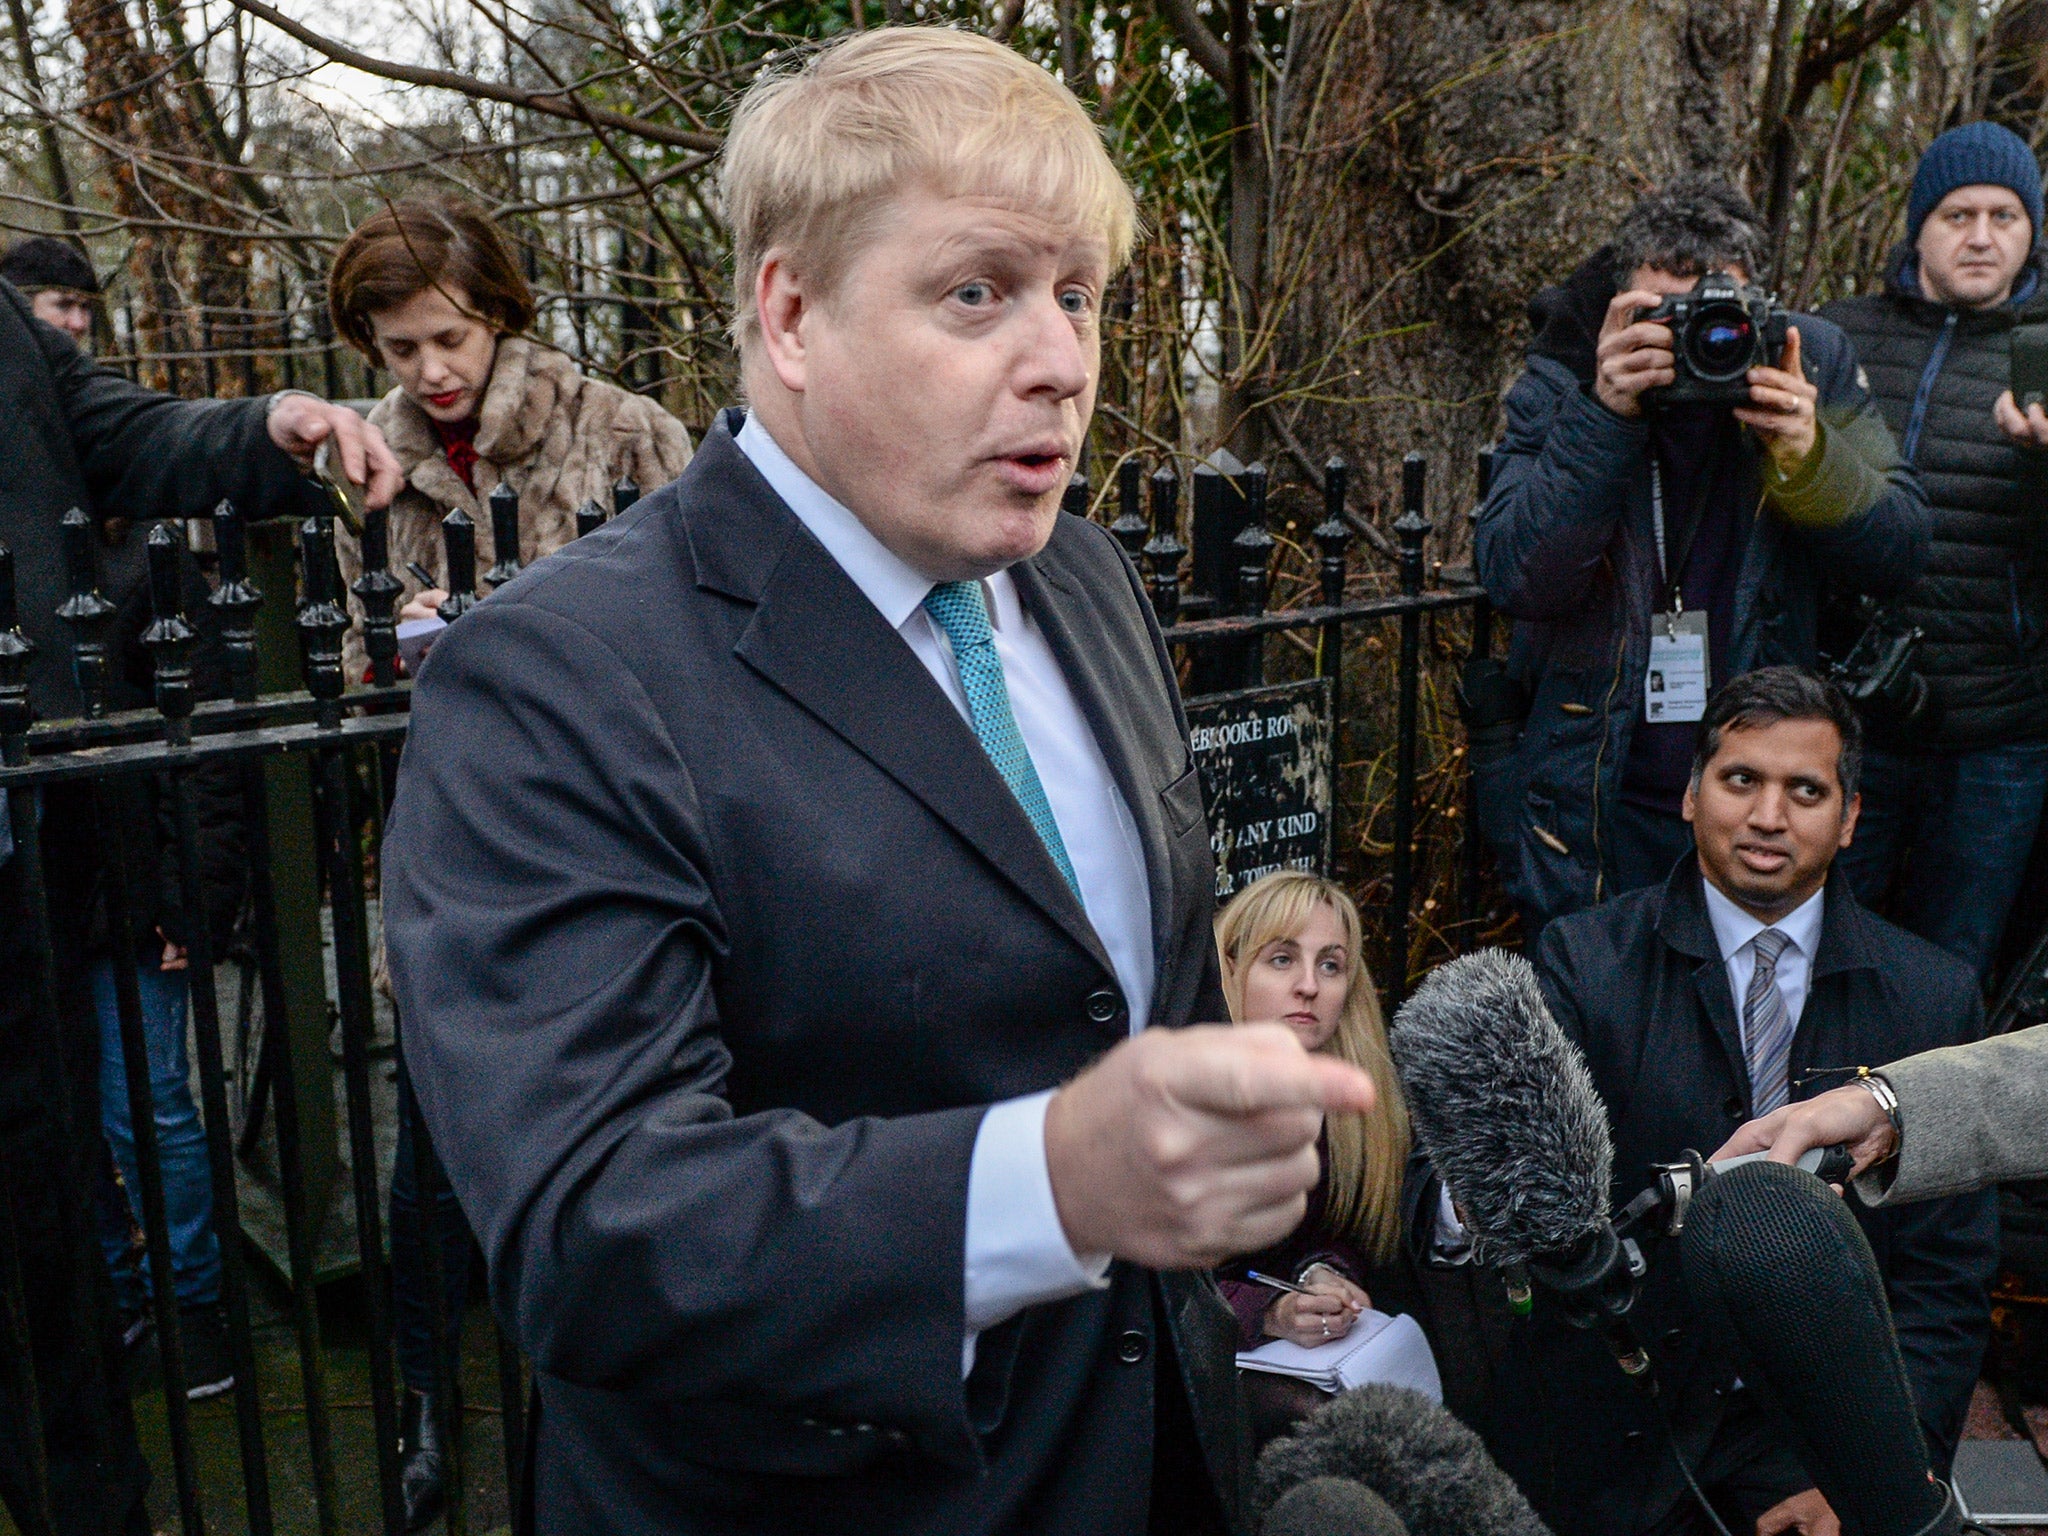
563	103
1203	46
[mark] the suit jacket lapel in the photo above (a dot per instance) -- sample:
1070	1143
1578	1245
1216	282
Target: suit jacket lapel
1686	928
817	638
1060	612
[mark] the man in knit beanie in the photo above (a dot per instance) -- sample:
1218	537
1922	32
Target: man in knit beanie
1952	799
61	286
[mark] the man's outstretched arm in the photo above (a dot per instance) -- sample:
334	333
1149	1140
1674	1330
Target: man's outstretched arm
1973	1115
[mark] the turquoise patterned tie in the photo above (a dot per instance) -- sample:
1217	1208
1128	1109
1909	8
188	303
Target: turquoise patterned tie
960	611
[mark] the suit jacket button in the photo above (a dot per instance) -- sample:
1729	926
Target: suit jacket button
1734	1107
1103	1005
1132	1347
1673	1337
1634	1441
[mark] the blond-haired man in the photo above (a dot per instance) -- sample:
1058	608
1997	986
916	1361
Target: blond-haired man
779	1009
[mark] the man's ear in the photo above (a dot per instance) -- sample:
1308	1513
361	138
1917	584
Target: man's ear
781	307
1849	814
1686	805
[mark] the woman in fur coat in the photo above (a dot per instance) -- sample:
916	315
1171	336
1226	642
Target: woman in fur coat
429	289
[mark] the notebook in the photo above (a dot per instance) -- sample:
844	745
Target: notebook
1378	1348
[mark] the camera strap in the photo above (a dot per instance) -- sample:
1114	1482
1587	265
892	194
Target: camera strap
1671	563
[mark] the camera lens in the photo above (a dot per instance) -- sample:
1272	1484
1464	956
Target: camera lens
1720	344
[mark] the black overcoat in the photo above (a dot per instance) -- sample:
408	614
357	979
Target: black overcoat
714	931
1639	985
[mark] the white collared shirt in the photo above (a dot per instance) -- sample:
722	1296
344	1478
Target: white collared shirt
1735	934
1017	1253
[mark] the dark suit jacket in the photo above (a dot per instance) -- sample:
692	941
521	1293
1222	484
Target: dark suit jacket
1639	985
714	931
75	434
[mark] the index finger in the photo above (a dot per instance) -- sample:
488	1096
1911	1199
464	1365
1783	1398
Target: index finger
348	437
1621	309
1253	1068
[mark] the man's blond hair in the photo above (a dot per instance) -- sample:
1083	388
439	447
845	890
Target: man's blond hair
816	151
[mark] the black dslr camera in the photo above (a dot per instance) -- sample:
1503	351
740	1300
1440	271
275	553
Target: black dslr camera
1878	674
1720	330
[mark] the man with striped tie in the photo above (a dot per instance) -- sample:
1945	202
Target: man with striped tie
1749	978
798	896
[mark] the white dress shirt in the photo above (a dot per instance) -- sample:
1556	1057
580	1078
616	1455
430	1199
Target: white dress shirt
1735	934
1017	1253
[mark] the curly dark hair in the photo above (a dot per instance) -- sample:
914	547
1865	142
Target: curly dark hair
1693	224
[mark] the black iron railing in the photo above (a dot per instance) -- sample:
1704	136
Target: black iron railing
341	747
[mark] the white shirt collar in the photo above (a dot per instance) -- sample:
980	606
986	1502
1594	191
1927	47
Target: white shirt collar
1734	927
887	580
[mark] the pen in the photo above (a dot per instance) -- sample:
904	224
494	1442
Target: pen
1279	1285
420	573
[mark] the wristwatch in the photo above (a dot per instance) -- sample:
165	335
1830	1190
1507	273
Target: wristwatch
1888	1101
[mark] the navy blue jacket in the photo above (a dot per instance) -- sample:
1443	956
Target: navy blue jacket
1566	547
1638	984
715	931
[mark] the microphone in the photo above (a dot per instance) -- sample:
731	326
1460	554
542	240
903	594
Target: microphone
1775	1263
1414	1460
1505	1107
1332	1506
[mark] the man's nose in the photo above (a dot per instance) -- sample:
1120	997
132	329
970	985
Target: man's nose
1053	359
1768	809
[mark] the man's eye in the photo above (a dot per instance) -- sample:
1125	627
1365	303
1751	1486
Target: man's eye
974	295
1076	301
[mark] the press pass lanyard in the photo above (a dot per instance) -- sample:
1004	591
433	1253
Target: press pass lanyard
1675	683
1671	566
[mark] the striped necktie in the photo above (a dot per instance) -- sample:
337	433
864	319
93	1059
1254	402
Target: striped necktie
1767	1027
960	610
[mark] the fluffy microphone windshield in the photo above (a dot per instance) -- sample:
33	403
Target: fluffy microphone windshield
1428	1467
1504	1106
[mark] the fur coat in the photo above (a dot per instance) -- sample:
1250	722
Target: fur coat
555	436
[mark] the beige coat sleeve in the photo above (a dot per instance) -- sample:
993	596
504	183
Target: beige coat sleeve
1974	1115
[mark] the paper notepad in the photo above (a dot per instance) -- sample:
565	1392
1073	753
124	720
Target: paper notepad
1378	1348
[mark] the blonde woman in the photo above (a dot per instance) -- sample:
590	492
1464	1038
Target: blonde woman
1290	950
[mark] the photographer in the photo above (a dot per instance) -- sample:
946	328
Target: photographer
1953	796
1618	518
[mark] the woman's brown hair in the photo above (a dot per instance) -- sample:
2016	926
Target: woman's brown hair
423	242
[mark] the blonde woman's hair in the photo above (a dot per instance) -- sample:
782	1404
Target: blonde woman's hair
816	150
1368	1153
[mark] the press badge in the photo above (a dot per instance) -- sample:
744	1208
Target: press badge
1676	687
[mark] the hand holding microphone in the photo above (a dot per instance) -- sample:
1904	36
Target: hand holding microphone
1850	1115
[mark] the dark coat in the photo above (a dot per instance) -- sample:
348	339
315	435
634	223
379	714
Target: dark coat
1639	986
1312	1242
1565	546
707	983
1983	599
75	434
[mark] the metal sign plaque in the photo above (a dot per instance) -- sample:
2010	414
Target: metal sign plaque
1267	779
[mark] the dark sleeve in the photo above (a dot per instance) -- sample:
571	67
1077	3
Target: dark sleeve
1855	505
554	932
1249	1302
1942	1257
1560	486
150	455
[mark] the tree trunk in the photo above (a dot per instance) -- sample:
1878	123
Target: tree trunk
1439	162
